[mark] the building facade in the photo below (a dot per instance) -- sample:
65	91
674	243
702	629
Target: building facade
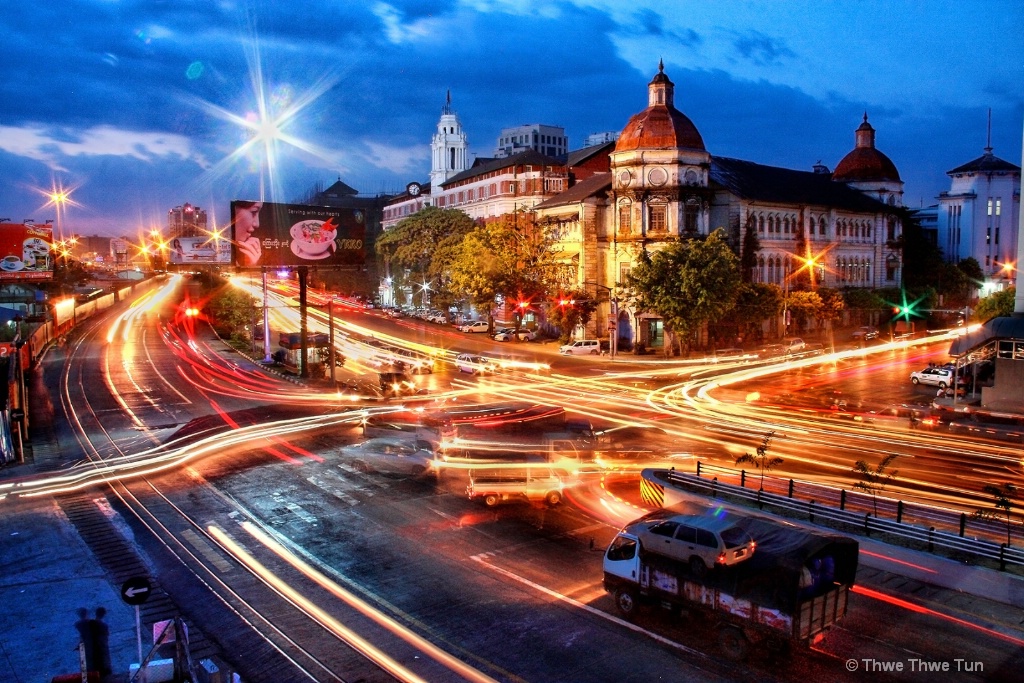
978	217
547	140
186	221
663	184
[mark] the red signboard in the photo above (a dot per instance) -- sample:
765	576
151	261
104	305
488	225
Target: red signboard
273	235
26	252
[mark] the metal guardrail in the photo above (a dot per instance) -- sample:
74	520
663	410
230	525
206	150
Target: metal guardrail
856	511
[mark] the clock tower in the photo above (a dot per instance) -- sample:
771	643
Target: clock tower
448	148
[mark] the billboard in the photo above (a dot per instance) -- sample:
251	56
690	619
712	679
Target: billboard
26	252
185	250
273	235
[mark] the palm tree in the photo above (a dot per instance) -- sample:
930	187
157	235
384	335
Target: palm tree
1004	496
762	460
875	480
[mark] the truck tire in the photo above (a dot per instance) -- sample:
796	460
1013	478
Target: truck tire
697	567
733	643
491	499
625	602
553	498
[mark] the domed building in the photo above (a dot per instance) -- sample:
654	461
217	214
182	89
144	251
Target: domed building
664	184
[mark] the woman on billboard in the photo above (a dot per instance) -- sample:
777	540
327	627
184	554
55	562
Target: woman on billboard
247	221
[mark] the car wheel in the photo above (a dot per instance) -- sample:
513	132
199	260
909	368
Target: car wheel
491	499
594	352
942	385
697	567
915	381
625	602
553	498
360	466
733	643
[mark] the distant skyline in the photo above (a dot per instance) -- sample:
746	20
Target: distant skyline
139	106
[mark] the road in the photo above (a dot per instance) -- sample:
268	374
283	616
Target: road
300	568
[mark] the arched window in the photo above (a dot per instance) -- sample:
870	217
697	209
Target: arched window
892	267
760	224
656	217
785	225
891	233
771	269
760	277
821	225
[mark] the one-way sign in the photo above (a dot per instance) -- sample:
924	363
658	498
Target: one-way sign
135	590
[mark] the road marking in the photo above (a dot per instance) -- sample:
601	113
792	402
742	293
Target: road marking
594	611
207	551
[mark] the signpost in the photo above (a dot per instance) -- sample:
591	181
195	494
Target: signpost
136	591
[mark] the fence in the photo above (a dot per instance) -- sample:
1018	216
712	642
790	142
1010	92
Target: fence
929	527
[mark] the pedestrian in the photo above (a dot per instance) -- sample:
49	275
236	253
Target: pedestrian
87	637
101	643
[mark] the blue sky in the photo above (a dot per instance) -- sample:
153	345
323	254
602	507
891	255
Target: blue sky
138	106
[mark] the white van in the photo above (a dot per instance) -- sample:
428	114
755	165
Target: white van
524	483
581	347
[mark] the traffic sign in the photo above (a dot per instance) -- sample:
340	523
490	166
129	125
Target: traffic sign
135	590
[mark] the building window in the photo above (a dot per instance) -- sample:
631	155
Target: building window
625	217
624	269
821	225
690	217
997	234
891	268
891	233
989	207
760	224
657	218
999	206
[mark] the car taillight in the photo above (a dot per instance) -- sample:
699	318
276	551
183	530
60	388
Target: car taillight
721	558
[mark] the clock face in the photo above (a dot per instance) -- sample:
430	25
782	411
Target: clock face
413	189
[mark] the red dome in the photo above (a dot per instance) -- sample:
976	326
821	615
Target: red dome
659	127
865	162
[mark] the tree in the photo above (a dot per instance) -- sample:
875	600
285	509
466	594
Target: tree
755	303
422	244
803	306
748	254
832	305
511	257
874	480
1004	495
688	283
996	305
571	310
232	312
762	460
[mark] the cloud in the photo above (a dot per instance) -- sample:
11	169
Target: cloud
761	49
54	147
403	160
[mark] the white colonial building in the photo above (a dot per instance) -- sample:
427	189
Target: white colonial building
978	217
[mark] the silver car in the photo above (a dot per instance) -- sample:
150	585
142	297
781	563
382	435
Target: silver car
391	455
700	541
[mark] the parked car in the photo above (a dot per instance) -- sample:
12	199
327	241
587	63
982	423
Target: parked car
473	364
397	384
475	326
794	344
394	313
509	333
864	333
701	541
581	347
939	377
393	455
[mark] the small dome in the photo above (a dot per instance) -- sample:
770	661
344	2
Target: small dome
661	125
865	162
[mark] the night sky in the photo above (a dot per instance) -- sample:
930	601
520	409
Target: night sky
139	106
